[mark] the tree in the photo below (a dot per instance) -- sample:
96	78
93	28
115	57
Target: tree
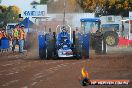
34	2
107	7
1	19
119	7
2	13
88	5
3	8
91	5
43	1
11	15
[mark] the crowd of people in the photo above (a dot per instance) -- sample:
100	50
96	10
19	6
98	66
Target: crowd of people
16	38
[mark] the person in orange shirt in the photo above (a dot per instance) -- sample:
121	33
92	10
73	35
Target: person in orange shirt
21	39
1	35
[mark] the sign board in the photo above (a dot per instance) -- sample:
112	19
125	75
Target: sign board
130	15
35	11
110	18
130	25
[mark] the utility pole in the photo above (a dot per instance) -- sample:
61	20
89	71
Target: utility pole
64	12
97	9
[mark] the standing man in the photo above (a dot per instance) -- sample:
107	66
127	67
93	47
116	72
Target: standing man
15	37
1	35
4	33
77	30
21	39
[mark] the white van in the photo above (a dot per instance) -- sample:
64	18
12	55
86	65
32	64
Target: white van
10	27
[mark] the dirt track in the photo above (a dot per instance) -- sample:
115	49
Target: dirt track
20	71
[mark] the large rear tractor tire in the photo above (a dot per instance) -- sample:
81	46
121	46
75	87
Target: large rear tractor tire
42	54
49	46
98	47
55	54
111	38
77	51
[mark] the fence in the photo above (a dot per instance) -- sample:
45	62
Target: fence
4	45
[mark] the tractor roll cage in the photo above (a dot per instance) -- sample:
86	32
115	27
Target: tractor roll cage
60	30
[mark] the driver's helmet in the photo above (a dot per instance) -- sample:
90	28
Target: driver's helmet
63	29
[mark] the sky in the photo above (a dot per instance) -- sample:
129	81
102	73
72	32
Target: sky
22	4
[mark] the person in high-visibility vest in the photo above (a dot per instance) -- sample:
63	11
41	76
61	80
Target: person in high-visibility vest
15	33
21	39
15	37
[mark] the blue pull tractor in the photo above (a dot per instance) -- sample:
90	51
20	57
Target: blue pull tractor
63	44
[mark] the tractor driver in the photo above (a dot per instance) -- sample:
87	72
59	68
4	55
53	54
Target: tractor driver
65	36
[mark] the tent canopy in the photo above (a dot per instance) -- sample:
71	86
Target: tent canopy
27	23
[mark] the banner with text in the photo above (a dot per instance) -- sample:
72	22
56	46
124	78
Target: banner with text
35	11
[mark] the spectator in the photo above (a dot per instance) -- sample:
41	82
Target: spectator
21	39
50	30
77	30
4	33
1	35
15	37
10	40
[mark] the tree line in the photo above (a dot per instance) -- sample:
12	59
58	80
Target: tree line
9	14
107	7
104	7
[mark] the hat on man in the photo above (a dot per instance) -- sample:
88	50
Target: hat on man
22	25
16	25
